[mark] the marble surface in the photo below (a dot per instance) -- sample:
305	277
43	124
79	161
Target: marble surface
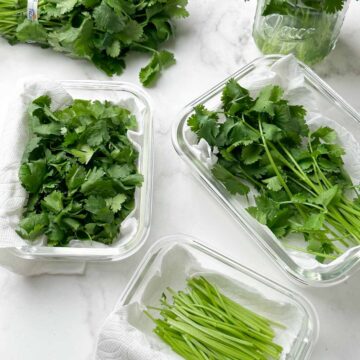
58	317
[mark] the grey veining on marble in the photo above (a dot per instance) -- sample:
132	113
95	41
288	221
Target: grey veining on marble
57	318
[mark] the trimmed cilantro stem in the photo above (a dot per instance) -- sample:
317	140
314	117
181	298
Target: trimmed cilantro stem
275	168
202	323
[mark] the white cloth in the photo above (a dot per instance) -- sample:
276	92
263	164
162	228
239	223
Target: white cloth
127	332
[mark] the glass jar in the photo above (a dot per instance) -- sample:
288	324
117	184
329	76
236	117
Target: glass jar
302	30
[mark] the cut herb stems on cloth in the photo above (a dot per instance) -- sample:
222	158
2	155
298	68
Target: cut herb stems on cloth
101	31
79	168
202	323
302	187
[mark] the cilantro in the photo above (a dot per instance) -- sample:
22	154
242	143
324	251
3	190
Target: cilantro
265	143
204	124
292	7
232	183
200	322
78	188
100	31
159	61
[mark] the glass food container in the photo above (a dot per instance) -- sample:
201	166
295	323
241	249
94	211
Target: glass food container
172	259
332	106
116	92
307	33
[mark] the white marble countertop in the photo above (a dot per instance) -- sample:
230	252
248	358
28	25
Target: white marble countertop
57	318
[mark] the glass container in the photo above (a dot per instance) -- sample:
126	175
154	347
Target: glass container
307	33
172	258
331	106
116	92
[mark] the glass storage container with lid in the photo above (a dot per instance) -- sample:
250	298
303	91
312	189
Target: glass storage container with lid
331	106
173	259
127	244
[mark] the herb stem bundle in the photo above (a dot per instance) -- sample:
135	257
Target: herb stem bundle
202	323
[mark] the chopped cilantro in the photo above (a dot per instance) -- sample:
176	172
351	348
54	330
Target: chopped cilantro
79	185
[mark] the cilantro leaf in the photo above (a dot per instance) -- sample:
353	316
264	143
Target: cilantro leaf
53	201
235	98
205	124
231	182
31	31
32	226
251	154
32	174
159	61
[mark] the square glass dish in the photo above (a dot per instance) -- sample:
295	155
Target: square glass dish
133	98
170	262
331	106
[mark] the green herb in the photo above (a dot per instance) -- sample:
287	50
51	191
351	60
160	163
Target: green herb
202	323
265	144
101	31
292	7
79	168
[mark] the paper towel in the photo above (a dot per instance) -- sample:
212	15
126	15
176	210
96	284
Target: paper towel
127	332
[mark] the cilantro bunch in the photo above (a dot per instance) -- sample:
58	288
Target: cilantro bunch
296	7
302	186
79	169
202	323
101	31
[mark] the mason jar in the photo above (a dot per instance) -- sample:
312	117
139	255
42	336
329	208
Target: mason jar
307	33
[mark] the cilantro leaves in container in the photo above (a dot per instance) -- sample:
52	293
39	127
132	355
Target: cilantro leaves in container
302	186
101	31
292	7
79	168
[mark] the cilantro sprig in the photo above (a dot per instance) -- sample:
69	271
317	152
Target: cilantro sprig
265	144
101	31
79	169
203	323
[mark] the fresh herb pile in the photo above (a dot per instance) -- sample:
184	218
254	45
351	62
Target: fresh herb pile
79	168
101	31
202	323
302	186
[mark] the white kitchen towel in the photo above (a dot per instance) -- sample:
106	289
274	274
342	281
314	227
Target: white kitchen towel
14	132
127	333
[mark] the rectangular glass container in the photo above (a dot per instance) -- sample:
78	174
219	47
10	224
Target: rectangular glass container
149	281
332	106
112	91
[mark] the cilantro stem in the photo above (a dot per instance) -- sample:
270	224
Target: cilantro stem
328	256
202	323
275	168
